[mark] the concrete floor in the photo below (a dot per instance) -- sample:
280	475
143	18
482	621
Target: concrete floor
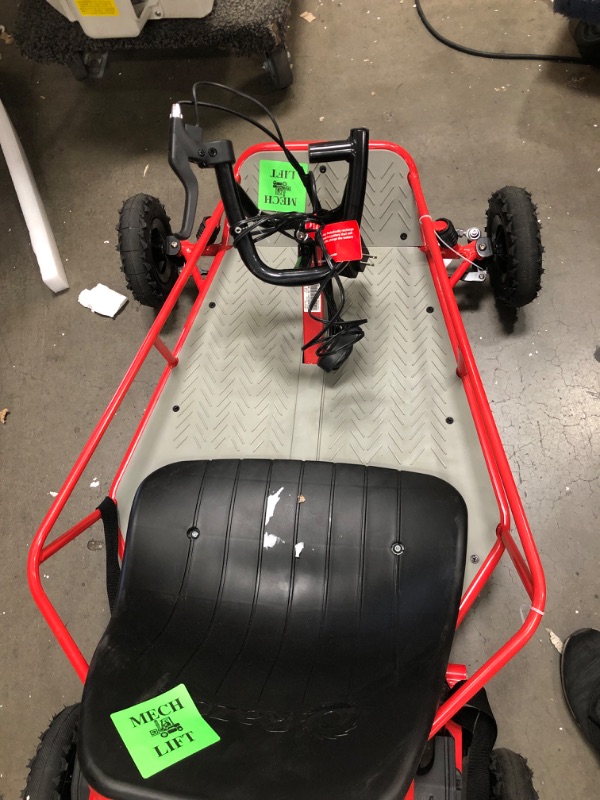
472	125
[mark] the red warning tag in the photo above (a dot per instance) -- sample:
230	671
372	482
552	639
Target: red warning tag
342	240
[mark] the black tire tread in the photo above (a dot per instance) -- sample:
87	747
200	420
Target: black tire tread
512	779
135	220
49	769
522	281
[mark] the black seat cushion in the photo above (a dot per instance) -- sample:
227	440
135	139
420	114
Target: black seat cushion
315	651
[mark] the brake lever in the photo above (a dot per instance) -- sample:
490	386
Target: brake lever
184	145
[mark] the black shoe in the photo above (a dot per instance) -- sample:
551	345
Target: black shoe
580	676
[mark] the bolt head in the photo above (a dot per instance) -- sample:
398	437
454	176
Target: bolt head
474	559
397	548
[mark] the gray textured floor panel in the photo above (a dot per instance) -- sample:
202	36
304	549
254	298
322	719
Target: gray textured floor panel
241	390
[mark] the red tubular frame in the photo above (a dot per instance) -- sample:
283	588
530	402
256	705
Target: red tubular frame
527	564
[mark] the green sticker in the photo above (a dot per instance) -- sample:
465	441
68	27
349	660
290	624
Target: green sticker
164	730
280	187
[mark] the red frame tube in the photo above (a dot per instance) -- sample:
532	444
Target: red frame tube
42	600
527	563
162	348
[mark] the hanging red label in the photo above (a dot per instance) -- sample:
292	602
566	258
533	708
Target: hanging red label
342	241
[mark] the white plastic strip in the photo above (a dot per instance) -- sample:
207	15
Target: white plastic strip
40	233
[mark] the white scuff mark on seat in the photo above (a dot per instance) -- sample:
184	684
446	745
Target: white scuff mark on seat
52	494
270	540
556	641
95	483
298	548
272	501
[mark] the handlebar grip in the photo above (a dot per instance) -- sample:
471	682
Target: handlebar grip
320	152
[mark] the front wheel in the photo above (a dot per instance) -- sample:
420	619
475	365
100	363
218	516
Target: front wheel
515	265
144	229
511	777
51	770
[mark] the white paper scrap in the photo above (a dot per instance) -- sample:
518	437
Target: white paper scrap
558	643
102	300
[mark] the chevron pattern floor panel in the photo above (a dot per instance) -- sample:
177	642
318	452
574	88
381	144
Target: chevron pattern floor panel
241	391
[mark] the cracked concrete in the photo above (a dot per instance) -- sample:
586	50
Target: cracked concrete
472	126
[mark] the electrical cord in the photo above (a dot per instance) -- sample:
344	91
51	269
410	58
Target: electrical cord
277	137
334	326
329	339
488	53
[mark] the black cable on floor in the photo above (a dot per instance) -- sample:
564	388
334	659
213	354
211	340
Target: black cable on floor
488	53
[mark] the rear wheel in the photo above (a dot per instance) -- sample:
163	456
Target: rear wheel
515	265
144	230
511	777
51	769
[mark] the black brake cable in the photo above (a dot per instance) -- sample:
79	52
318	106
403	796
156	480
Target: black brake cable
491	54
278	139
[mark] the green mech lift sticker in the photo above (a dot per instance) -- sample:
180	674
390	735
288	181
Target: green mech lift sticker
163	730
280	187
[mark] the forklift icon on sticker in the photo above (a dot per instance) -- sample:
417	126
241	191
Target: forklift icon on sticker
165	727
281	188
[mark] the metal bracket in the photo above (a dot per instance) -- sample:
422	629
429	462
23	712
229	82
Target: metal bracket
484	247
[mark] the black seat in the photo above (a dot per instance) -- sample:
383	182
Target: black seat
309	609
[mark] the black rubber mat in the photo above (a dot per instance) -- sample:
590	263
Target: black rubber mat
244	26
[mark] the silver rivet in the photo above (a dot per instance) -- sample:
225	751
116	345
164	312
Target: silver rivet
193	533
474	559
397	548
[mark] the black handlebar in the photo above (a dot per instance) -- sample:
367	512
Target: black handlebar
187	146
354	150
229	190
